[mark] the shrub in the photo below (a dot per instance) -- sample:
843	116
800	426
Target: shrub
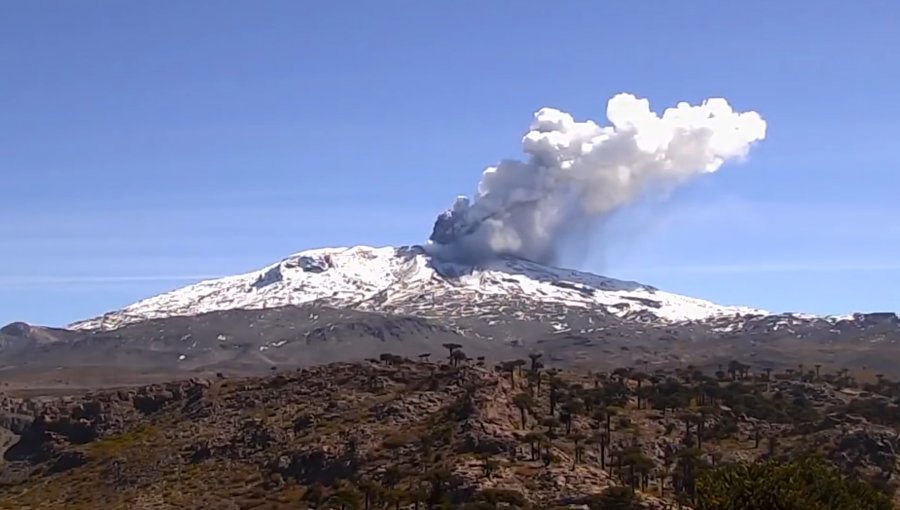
507	496
805	484
615	498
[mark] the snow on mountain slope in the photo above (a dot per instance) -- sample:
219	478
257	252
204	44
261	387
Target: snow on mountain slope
407	280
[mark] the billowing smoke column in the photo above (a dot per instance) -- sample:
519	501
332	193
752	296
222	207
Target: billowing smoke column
577	172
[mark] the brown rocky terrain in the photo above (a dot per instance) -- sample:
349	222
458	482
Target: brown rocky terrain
392	432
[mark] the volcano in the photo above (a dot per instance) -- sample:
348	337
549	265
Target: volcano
349	304
408	281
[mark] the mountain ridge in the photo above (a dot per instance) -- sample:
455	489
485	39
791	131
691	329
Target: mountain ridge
347	304
408	280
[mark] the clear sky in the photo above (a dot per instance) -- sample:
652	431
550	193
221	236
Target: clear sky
144	145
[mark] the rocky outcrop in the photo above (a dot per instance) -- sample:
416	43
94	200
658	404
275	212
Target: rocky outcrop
394	427
867	448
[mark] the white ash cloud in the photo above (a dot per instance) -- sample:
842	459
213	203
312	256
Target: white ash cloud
578	172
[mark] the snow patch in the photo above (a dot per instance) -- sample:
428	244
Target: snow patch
407	280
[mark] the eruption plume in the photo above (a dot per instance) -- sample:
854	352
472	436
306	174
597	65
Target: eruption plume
578	172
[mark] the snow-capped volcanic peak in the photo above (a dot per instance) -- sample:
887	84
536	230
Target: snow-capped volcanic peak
408	280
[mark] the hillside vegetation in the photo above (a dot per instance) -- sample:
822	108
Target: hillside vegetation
458	433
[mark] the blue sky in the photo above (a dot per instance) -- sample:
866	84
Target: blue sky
144	145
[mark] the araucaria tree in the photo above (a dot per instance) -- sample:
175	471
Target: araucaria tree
525	403
450	348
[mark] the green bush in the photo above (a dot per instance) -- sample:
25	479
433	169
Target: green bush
806	484
875	410
615	498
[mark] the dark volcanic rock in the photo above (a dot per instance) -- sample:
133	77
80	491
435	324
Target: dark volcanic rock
16	329
252	342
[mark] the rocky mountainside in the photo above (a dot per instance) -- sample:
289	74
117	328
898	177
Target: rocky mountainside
391	432
236	342
248	342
